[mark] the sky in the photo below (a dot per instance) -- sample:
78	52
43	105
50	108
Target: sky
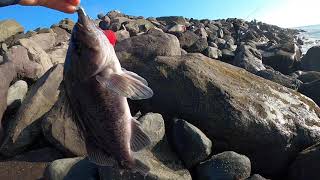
284	13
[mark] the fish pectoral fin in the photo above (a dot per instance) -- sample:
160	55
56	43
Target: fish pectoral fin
100	158
126	86
135	76
140	167
139	139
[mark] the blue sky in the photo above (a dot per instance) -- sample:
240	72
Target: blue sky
285	13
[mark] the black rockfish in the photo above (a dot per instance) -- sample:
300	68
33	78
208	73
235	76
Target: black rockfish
98	88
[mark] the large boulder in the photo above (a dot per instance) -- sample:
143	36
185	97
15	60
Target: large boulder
137	26
283	58
306	165
265	121
25	128
173	20
227	165
44	40
148	46
249	58
187	39
58	54
199	46
311	90
311	61
16	93
9	28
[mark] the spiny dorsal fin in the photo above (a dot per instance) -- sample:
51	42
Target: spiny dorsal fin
126	86
139	139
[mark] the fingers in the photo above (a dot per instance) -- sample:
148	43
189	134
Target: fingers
67	6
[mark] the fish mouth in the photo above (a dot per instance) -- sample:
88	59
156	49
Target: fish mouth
83	19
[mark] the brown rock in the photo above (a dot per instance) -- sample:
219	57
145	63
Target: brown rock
13	170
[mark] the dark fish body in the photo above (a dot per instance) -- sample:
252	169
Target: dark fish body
98	89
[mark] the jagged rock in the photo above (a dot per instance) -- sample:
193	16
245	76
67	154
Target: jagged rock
173	20
227	165
58	54
18	56
60	129
9	28
306	165
153	124
122	35
227	56
44	30
16	93
280	78
199	46
177	29
114	14
140	25
44	40
311	90
159	44
191	145
213	52
40	155
201	32
66	24
37	54
220	42
282	58
311	62
61	35
24	129
187	39
22	170
72	169
282	122
249	59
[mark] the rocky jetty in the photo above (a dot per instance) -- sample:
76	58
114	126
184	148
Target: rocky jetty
232	100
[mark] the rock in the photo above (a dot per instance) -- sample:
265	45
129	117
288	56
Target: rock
24	129
22	170
114	14
249	59
58	54
3	48
140	25
159	44
43	30
199	46
213	52
280	78
310	62
1	60
37	54
183	52
256	177
227	165
61	35
72	169
67	24
173	20
153	125
305	165
40	155
16	93
187	39
60	129
177	29
9	28
201	32
14	40
311	90
18	55
282	58
227	56
282	122
220	42
121	20
212	36
122	35
44	40
309	76
220	33
191	145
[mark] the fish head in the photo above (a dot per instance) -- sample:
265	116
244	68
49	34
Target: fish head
89	48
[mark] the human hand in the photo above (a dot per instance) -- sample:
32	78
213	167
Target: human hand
67	6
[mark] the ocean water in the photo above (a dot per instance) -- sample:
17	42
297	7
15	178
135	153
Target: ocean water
311	37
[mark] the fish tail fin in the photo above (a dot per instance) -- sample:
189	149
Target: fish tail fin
140	167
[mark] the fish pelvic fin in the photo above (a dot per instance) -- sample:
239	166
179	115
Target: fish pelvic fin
140	167
139	139
127	84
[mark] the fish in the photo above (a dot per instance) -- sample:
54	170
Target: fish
97	88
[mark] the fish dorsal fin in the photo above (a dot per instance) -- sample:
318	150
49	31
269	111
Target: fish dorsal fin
126	86
139	139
